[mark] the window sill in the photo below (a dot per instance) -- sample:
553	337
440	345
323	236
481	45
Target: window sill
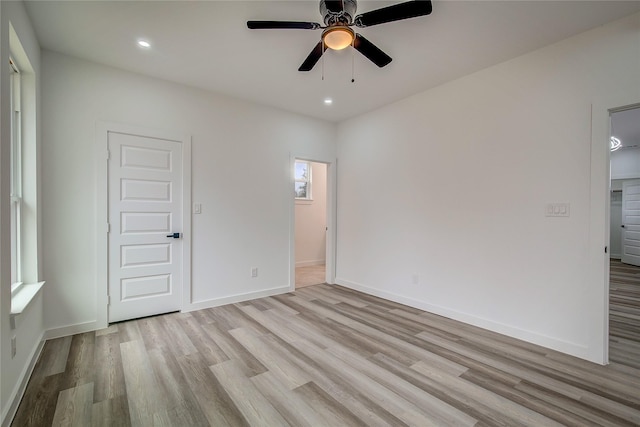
22	297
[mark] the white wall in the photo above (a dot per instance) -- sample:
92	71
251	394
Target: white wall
451	184
625	163
29	325
240	175
311	221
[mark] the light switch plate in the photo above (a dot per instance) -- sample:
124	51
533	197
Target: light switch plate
197	208
558	209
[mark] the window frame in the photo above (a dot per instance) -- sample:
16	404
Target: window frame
306	180
16	175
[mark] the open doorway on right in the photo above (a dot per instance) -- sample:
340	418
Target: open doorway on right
310	222
624	279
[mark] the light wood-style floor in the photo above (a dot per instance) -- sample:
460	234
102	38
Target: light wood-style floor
321	356
624	314
311	275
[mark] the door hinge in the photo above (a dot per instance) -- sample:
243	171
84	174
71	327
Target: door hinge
108	299
108	228
108	155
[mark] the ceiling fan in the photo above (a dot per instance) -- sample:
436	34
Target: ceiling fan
339	17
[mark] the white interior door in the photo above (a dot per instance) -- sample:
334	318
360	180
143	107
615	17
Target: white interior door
631	222
145	210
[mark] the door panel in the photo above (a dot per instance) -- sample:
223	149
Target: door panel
141	255
145	207
631	222
135	190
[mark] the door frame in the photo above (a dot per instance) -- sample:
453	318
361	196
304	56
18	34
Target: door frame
330	254
102	211
600	209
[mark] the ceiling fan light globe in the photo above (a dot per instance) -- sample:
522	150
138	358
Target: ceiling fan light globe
338	38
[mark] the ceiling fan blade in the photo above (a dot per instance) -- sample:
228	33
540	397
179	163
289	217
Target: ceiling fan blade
335	6
280	25
313	58
396	12
371	51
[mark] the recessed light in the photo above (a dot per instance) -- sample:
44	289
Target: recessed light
328	101
143	43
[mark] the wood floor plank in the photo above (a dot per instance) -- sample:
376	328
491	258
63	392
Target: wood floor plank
181	344
289	373
342	389
428	404
275	327
129	331
153	333
279	307
202	341
234	350
79	368
549	382
53	359
302	409
330	411
554	407
38	405
214	401
391	402
182	406
74	407
331	356
111	412
232	317
109	374
624	314
143	393
512	412
553	400
255	408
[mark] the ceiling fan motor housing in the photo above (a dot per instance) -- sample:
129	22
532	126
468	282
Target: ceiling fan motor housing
332	16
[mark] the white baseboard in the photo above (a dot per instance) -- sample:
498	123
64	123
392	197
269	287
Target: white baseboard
65	331
16	395
567	347
80	328
310	263
615	256
215	302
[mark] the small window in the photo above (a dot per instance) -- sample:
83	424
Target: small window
16	176
302	187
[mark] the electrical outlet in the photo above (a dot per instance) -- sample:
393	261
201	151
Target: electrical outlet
13	347
197	208
254	271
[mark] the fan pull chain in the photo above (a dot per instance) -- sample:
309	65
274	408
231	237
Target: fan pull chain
353	60
323	49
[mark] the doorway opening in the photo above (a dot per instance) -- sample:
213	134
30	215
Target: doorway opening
624	237
310	218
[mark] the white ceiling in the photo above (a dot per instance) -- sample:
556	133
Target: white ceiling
206	44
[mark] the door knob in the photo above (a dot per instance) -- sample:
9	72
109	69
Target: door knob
622	226
174	235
